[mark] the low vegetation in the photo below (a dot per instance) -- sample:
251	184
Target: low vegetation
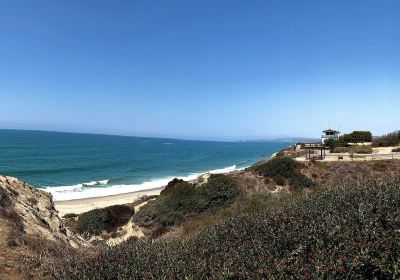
396	150
185	200
362	149
388	140
299	181
284	168
349	231
322	165
96	221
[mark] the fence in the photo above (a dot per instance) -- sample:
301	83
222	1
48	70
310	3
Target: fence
349	157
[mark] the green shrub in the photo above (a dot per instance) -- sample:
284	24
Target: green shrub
280	180
184	200
299	181
283	166
70	215
95	221
343	232
171	207
331	143
220	191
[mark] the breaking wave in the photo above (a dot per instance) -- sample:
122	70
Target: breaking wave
103	188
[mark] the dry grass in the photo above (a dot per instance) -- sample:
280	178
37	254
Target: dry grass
333	173
353	150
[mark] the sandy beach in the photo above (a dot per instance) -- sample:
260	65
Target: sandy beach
78	206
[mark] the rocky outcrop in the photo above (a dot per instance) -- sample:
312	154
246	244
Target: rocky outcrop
28	223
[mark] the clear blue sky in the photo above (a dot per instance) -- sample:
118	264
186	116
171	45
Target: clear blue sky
200	69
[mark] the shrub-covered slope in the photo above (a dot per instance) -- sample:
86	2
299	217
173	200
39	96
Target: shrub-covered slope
95	221
184	200
281	169
343	232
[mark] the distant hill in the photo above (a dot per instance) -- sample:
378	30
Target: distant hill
284	139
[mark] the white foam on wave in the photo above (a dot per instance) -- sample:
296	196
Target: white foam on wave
224	170
100	188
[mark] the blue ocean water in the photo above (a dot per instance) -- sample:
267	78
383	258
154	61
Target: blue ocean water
73	166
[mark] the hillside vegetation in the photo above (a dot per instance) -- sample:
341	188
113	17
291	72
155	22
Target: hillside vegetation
341	232
353	150
96	221
284	170
184	200
279	219
388	140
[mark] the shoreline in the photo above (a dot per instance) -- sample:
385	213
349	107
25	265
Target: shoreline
69	192
81	205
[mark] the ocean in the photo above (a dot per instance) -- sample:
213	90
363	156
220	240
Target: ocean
74	166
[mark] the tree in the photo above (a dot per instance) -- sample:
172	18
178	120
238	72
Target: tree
331	143
358	136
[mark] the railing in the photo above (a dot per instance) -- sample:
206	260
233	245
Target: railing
363	156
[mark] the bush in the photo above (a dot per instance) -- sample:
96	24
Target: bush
170	208
184	200
344	232
158	232
95	221
331	143
220	191
299	181
396	150
388	140
172	184
70	216
280	180
283	166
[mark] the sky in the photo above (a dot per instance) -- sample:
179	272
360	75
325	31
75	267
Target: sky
211	70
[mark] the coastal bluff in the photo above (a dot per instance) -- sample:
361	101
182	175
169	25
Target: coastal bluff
30	227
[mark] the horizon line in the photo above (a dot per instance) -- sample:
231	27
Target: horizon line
166	138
